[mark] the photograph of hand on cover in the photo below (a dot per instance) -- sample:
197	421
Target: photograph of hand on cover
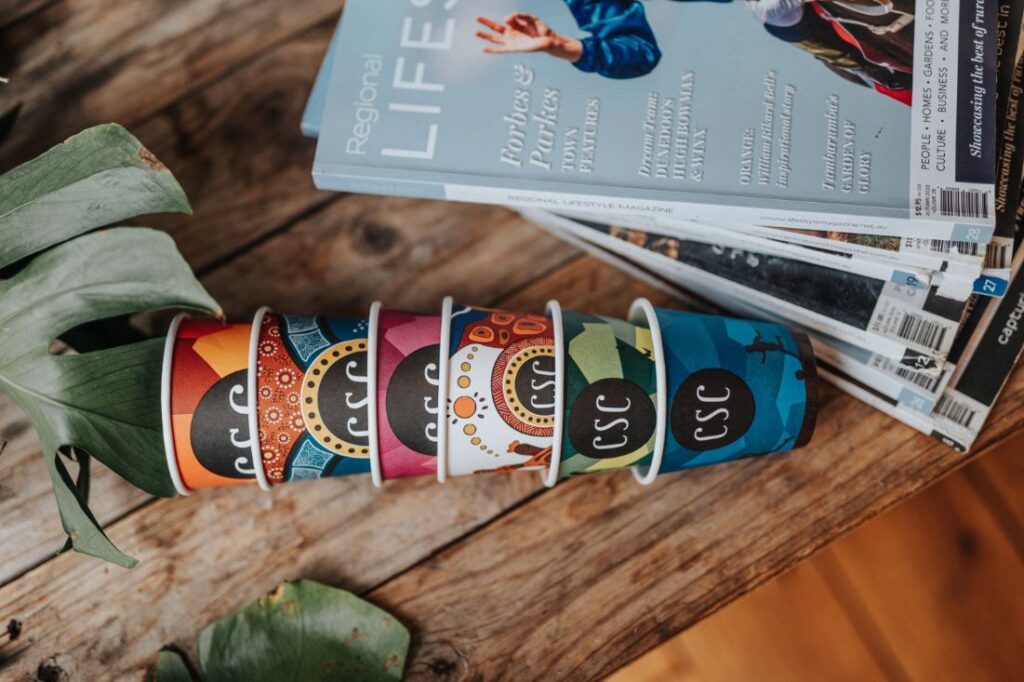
867	42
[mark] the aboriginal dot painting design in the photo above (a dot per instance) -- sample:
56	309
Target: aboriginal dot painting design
312	402
501	396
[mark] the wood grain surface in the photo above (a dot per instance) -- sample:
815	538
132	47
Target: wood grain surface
495	576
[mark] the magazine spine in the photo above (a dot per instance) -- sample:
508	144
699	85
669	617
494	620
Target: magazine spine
365	184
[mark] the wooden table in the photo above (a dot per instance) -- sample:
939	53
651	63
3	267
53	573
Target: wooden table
495	576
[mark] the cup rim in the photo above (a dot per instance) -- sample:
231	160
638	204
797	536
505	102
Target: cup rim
373	320
165	405
550	477
644	307
254	433
443	367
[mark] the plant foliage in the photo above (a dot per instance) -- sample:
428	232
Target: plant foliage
301	631
104	403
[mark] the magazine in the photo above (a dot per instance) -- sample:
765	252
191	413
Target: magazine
762	244
861	116
894	384
1010	150
903	320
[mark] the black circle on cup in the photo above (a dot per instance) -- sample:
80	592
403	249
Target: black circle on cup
711	409
411	400
220	428
535	384
342	399
611	418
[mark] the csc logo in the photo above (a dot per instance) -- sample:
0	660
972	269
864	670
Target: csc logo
611	418
711	409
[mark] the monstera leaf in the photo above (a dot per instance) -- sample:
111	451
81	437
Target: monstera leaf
301	631
104	403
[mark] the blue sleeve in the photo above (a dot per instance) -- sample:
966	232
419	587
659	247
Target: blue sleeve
621	43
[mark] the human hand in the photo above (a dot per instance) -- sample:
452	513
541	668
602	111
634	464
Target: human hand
523	32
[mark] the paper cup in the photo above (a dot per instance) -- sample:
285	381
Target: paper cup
408	393
312	383
206	421
610	416
501	391
735	389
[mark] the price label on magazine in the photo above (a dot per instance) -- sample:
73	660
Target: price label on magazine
930	384
960	415
902	314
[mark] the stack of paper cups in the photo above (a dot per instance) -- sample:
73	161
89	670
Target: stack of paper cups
472	390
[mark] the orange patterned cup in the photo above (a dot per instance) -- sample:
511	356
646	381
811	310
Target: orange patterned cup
206	421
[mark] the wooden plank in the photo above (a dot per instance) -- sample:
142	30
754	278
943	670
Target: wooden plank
403	251
206	555
236	148
769	635
600	570
999	479
78	64
15	10
943	583
790	628
31	531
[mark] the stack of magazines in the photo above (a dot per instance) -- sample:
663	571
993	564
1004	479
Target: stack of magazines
852	168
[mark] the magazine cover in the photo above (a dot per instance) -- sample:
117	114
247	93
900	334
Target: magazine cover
861	116
907	322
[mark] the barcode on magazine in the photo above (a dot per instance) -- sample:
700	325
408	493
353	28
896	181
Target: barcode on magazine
955	411
948	245
923	332
963	203
928	383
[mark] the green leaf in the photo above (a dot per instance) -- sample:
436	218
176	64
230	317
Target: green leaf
99	177
170	667
305	631
83	288
84	532
105	402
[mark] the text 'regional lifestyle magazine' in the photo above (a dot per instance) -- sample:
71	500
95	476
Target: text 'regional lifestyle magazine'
857	116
